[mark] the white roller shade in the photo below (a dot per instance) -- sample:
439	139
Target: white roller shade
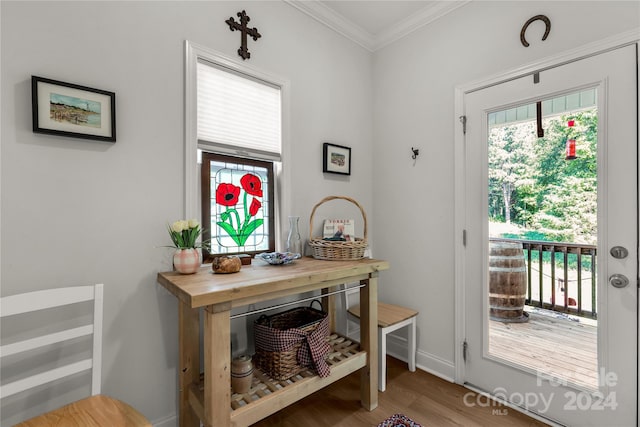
238	114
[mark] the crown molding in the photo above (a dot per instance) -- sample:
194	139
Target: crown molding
335	21
362	37
425	16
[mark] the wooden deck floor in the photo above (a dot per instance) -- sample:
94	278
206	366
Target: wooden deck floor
559	347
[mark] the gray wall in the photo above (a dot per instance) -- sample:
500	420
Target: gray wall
79	212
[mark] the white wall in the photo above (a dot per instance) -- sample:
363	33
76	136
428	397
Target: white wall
414	81
77	212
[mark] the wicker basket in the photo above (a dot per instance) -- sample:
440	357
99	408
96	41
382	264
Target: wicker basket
333	250
282	365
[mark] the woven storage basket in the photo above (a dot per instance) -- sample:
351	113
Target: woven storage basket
282	365
332	250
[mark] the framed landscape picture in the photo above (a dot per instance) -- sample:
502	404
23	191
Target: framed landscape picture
67	109
336	159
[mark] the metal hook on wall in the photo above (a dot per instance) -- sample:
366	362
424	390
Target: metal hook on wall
543	18
416	153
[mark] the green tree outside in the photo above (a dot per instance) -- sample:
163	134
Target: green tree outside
533	186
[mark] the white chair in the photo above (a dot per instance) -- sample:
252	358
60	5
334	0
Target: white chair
390	318
96	410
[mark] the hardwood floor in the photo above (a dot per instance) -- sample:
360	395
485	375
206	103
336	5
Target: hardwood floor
423	397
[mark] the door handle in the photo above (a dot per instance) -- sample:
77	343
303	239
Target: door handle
618	280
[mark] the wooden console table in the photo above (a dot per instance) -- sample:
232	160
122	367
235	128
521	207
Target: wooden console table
209	399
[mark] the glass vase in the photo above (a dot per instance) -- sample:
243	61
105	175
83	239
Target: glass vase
294	242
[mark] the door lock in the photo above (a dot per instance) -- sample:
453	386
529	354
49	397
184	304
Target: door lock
619	252
618	280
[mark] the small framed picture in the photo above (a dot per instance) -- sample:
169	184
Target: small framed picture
336	159
68	109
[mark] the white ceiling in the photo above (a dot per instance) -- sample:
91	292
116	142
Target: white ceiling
376	16
376	23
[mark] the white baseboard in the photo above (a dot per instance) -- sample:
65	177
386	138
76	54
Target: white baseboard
397	347
168	421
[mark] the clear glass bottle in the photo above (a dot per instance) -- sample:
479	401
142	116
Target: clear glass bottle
294	242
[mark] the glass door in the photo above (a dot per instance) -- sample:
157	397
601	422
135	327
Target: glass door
551	221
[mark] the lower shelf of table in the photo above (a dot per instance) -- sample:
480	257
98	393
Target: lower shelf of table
268	395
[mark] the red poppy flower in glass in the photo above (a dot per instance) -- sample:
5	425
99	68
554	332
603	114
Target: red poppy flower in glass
252	184
255	207
227	194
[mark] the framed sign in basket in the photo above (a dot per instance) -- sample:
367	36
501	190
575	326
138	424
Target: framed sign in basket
68	109
336	159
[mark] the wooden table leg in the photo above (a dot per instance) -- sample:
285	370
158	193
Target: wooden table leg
217	365
189	360
369	341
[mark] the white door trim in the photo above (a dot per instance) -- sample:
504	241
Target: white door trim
591	49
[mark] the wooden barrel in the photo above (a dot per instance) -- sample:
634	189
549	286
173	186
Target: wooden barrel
507	282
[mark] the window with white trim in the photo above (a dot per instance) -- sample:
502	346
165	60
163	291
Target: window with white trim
239	136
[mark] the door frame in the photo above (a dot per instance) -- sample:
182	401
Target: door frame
591	49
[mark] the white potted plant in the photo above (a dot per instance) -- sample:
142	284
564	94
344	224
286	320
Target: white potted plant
184	235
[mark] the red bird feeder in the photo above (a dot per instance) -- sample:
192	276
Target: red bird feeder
571	144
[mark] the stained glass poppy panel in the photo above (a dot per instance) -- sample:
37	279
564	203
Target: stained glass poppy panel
240	214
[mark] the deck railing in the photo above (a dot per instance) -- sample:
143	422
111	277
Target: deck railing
566	282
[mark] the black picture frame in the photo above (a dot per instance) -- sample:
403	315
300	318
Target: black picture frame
336	159
67	109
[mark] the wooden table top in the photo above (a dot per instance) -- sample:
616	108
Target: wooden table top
261	280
